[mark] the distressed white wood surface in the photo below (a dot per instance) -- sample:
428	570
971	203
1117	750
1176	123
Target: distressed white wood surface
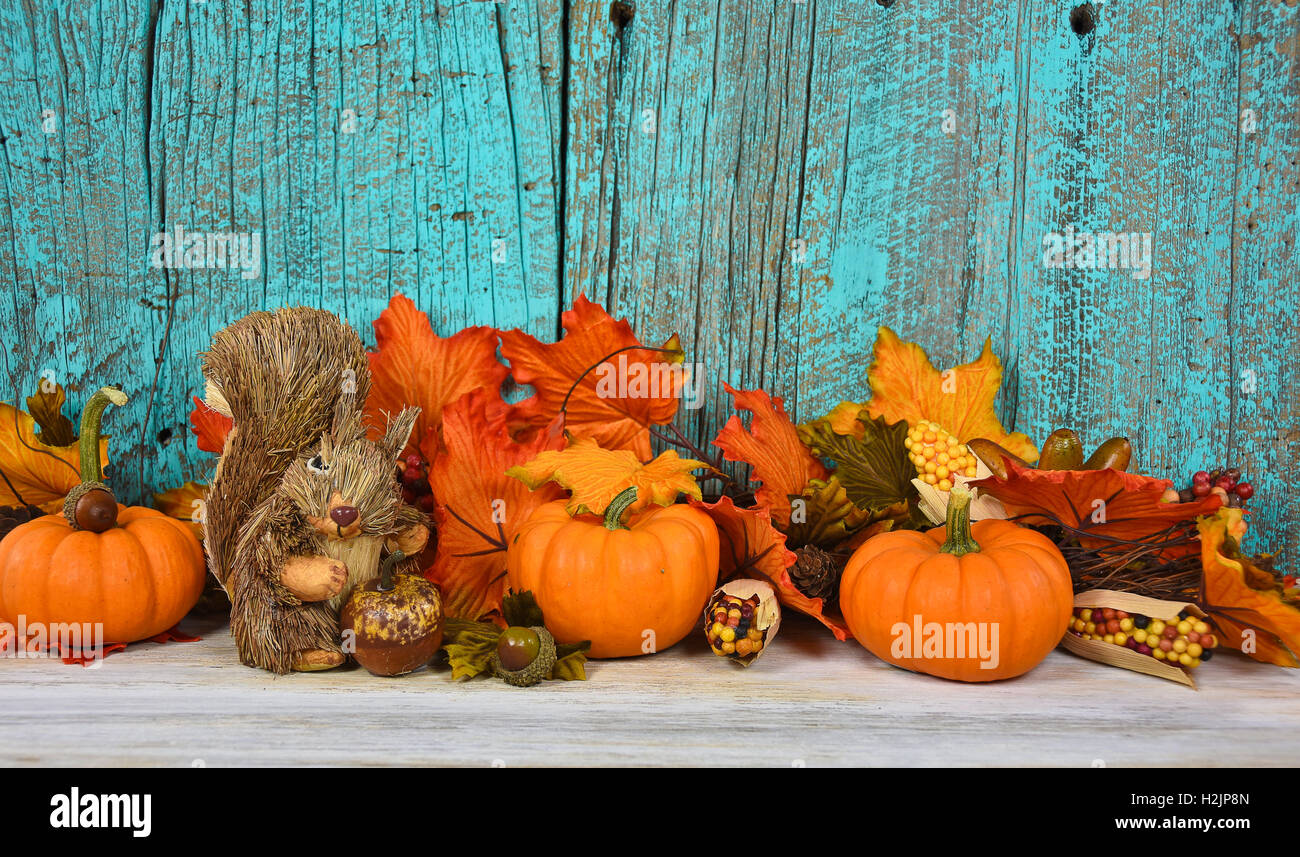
811	701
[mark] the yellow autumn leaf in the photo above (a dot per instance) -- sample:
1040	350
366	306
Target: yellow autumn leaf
906	386
595	476
185	503
843	419
39	474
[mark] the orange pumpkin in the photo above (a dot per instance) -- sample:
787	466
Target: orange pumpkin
969	603
630	589
135	570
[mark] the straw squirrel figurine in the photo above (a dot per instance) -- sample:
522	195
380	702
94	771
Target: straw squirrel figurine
302	504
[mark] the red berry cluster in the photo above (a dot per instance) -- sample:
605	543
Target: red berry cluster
414	476
1226	482
1184	640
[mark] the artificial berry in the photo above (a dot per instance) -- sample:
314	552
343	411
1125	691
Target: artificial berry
414	461
1225	483
1200	489
1245	490
426	503
1200	478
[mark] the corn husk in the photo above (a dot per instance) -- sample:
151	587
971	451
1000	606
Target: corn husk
767	615
1119	656
934	503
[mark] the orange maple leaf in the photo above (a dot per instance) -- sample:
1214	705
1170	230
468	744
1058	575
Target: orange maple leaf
595	476
30	471
752	547
906	386
772	449
625	387
1244	601
1109	505
209	426
479	507
412	365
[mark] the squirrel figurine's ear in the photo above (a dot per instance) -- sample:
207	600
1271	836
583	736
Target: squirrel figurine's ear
347	415
399	431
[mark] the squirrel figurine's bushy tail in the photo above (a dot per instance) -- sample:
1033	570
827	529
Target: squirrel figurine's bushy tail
279	376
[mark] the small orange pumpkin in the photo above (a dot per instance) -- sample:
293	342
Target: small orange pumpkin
969	603
133	569
630	589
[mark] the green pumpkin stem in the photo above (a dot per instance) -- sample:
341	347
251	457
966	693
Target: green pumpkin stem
959	541
92	417
100	506
617	506
386	570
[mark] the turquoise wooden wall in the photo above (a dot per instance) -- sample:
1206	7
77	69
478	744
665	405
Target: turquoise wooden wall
772	180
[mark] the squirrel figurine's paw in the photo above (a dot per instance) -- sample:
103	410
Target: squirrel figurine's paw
315	660
314	578
410	541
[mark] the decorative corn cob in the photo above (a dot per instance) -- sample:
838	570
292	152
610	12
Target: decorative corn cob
742	619
1183	640
938	455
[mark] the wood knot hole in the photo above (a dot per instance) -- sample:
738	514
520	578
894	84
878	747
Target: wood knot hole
1083	19
621	13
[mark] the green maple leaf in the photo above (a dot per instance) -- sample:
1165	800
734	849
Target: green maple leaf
874	470
571	662
521	609
469	646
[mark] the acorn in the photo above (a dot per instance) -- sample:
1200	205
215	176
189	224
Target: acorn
395	621
524	655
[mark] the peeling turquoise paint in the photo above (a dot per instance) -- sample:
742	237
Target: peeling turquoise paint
772	180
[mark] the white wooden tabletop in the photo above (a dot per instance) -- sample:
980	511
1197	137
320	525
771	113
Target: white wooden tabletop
811	701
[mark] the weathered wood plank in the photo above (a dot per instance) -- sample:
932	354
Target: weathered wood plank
810	702
1264	348
771	180
369	149
74	222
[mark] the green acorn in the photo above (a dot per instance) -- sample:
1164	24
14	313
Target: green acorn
524	656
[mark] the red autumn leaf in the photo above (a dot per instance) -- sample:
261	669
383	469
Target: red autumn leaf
752	547
412	365
479	507
1109	504
613	405
1244	601
772	449
209	426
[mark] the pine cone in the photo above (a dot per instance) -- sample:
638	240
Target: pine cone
816	574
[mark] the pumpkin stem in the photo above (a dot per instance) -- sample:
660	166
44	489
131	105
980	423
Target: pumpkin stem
91	504
614	511
386	570
92	416
959	541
